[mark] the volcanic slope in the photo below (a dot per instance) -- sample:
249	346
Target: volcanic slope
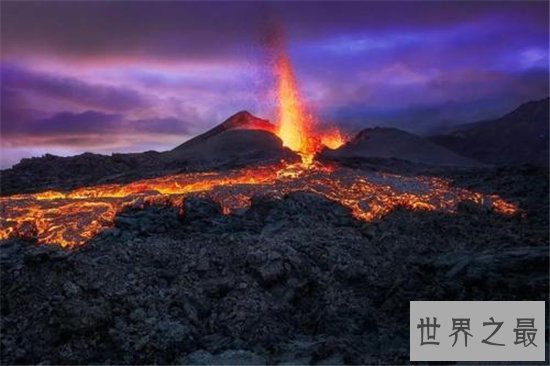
242	138
392	143
520	136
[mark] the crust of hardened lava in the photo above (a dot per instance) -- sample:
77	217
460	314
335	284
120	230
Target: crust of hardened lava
295	280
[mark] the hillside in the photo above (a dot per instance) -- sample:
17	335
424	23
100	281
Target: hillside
520	136
392	143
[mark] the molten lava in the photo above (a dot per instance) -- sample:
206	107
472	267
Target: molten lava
333	138
296	127
74	217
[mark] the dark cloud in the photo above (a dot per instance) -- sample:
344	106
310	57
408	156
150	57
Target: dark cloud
11	108
169	125
71	89
94	123
201	29
89	122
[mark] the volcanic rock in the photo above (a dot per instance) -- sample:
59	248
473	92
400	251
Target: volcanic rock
79	316
520	136
222	289
392	143
230	357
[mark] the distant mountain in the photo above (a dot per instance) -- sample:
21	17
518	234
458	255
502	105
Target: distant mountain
520	136
397	144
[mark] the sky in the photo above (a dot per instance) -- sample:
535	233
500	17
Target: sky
127	76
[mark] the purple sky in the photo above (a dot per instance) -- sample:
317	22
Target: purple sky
119	76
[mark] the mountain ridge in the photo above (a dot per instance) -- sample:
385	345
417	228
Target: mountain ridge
393	143
520	136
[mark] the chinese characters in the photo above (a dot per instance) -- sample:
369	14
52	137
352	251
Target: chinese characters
525	331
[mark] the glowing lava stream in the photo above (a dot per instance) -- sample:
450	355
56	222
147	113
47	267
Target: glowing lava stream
72	218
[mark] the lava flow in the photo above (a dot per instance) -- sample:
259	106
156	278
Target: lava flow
72	218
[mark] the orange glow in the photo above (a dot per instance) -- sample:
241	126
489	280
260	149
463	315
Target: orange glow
72	218
296	127
333	138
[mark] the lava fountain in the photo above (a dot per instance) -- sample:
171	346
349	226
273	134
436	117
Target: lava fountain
297	128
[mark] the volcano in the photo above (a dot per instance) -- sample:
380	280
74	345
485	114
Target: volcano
242	138
244	158
73	217
270	262
272	237
260	251
391	143
241	121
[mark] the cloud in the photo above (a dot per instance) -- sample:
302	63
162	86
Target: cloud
68	123
169	125
194	30
68	133
72	90
93	123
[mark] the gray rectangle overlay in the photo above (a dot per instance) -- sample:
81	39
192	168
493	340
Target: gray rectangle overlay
520	337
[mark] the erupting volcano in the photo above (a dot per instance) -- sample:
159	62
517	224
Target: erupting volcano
183	184
71	218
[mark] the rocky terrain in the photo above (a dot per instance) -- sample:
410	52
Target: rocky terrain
289	281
